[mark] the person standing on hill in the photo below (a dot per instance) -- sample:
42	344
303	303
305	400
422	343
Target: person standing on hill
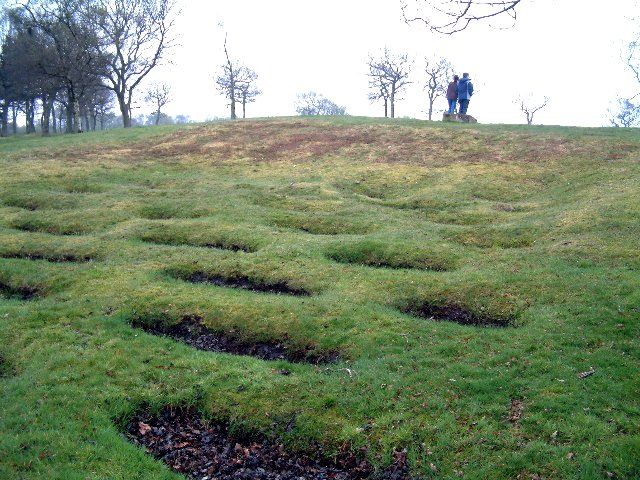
465	91
452	94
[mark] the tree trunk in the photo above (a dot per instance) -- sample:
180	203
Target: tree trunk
430	108
4	119
386	108
14	119
393	101
233	107
61	114
87	123
46	115
158	117
30	111
53	117
125	110
71	116
244	107
91	118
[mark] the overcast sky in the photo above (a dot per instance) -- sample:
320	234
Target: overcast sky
569	50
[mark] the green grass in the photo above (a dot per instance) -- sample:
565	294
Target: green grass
539	227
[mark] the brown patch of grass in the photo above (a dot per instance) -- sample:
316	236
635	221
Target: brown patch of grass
260	141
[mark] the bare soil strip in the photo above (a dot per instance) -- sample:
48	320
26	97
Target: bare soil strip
456	314
188	445
234	247
246	283
49	257
192	332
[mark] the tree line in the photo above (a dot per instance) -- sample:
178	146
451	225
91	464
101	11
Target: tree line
71	60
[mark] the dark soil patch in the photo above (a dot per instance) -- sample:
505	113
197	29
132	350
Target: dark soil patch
49	257
22	292
457	314
246	283
192	332
434	266
515	412
199	450
234	247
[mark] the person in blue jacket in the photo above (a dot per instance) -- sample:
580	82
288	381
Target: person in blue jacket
465	91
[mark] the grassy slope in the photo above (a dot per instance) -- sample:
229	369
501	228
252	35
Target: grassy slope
537	225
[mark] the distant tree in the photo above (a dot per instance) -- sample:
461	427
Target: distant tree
182	119
627	114
236	82
439	72
312	103
530	106
226	80
246	91
452	16
158	94
164	119
392	71
135	36
378	86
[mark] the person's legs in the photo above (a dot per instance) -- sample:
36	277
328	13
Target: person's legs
452	106
464	104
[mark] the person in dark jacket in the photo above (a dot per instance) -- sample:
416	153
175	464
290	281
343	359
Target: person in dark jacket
465	91
452	94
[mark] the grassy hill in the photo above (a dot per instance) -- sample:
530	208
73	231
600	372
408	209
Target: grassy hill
380	285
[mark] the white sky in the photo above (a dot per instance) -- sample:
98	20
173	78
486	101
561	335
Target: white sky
569	50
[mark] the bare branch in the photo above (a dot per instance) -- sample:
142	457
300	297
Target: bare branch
452	16
529	106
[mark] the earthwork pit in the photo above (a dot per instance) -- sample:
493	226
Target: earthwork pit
53	257
221	243
193	332
457	314
18	292
243	282
181	439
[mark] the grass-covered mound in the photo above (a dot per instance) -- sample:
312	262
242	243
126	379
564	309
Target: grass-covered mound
459	301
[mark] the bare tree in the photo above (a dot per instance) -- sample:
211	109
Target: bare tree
627	115
529	106
312	103
135	36
159	94
452	16
246	91
227	79
439	72
237	83
393	71
379	88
